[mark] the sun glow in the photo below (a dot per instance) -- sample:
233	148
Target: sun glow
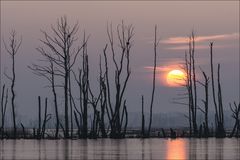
176	149
176	78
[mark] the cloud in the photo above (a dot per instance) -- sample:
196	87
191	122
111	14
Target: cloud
186	47
184	40
165	68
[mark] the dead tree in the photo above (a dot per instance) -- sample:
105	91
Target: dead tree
124	34
143	118
60	49
191	86
3	109
236	115
194	86
12	48
94	102
188	86
49	73
103	100
85	90
83	83
47	117
219	115
39	118
205	102
154	79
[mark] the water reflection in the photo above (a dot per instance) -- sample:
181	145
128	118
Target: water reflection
176	149
219	148
192	149
123	149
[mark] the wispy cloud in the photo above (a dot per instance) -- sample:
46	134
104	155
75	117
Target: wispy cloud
165	68
185	47
162	69
184	40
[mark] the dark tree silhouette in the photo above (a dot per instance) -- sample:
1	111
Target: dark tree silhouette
205	102
191	86
143	118
83	84
49	73
124	34
4	102
219	115
235	114
12	48
47	117
39	118
154	79
60	49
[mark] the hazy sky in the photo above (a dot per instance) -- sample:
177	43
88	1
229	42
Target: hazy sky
211	21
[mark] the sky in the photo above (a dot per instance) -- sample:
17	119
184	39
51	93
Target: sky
210	21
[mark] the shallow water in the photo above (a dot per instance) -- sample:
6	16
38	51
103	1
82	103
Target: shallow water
123	149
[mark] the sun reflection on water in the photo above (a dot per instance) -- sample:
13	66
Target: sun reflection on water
176	149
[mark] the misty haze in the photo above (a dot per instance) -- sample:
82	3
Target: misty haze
119	80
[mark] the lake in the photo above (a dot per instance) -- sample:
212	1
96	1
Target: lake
123	149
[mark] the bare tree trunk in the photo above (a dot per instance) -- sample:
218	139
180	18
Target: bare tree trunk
78	124
23	130
219	115
12	49
85	94
103	99
71	107
213	84
125	34
63	54
195	128
46	118
3	109
55	99
143	118
188	87
39	117
13	96
221	129
154	79
235	115
205	85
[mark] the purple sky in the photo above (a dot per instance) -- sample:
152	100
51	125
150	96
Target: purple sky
211	21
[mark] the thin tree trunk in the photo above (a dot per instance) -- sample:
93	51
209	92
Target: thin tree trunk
213	84
143	118
13	96
154	79
55	99
45	120
39	117
194	86
71	107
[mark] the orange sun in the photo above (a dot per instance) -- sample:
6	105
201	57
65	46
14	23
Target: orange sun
176	78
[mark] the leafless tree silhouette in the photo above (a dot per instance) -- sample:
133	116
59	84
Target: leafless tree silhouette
191	85
156	42
205	102
235	115
4	102
61	51
12	48
219	115
125	35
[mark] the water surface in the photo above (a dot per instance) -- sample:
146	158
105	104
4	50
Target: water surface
123	149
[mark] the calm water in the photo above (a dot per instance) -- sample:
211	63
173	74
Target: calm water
121	149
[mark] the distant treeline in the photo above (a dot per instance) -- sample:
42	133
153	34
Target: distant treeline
101	112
